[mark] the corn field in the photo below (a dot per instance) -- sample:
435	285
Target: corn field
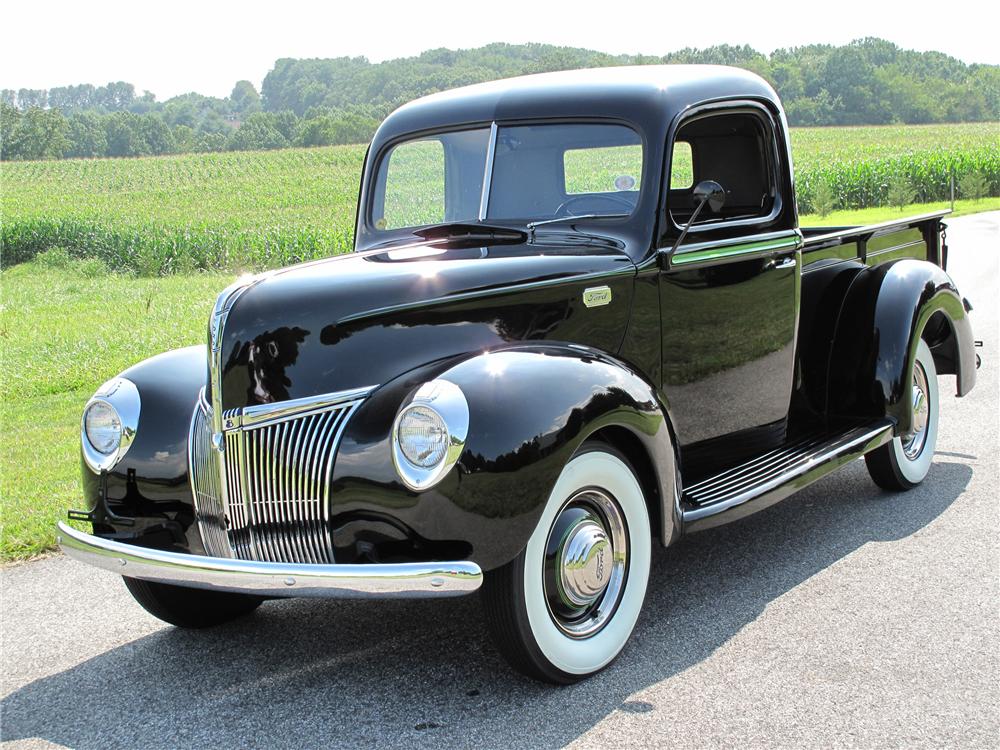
234	211
255	210
861	163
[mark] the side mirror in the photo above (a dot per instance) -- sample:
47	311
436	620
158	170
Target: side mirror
711	192
705	192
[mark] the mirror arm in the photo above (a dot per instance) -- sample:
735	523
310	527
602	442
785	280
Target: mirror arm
684	231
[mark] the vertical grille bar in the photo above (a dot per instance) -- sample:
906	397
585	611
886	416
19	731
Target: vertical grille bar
316	423
206	477
258	508
263	506
302	469
279	501
266	496
309	535
345	416
326	448
293	498
310	486
258	527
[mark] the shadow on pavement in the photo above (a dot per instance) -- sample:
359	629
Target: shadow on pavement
311	673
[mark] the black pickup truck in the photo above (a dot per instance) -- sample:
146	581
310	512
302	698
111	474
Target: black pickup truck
580	319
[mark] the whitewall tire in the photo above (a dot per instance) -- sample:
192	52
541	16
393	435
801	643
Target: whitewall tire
903	462
565	607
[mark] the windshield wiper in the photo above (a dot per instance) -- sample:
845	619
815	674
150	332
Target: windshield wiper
469	230
532	225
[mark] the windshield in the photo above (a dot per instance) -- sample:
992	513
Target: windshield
532	173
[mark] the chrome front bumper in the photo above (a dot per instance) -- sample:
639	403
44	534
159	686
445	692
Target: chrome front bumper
396	580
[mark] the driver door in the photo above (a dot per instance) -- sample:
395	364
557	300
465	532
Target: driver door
729	294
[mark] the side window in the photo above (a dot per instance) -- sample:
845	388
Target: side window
414	185
735	149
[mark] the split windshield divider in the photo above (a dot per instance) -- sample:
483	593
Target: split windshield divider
484	198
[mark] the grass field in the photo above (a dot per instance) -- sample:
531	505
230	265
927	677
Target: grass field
64	331
183	213
252	210
888	213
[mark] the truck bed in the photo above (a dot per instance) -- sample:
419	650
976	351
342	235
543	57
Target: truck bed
920	237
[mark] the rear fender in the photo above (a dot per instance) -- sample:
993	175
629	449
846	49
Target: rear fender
886	311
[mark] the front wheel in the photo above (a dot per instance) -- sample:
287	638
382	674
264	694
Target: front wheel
188	607
564	608
902	463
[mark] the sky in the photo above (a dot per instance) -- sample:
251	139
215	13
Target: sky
206	46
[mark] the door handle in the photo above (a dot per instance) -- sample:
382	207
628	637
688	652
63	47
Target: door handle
775	265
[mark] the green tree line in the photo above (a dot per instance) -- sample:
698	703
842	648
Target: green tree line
186	124
319	102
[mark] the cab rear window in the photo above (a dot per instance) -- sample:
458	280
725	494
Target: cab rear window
602	169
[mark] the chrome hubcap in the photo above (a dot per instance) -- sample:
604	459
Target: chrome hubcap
585	563
913	442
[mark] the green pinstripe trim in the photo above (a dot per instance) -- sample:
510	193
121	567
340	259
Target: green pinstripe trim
718	252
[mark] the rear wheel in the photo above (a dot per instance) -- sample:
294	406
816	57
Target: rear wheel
564	608
903	462
188	607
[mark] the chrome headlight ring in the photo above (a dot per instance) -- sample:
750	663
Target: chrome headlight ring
446	401
122	397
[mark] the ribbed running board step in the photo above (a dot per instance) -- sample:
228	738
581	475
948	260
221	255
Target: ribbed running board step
773	476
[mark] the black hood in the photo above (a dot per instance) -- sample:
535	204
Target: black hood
361	319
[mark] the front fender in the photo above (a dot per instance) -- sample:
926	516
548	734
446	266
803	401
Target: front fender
530	407
885	312
148	488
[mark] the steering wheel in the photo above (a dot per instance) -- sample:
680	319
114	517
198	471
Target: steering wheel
563	209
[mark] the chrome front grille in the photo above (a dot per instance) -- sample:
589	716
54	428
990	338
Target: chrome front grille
266	496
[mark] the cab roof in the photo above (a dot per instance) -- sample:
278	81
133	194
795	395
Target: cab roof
648	96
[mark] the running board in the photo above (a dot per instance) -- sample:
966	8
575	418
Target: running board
767	479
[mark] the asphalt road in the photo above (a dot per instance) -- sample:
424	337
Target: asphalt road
842	617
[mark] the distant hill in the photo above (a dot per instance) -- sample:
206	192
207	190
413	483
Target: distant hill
870	81
318	102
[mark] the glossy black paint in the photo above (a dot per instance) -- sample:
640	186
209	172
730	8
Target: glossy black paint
886	309
531	406
825	282
841	282
363	319
686	371
729	326
149	486
728	338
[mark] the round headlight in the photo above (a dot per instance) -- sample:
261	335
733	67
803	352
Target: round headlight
109	422
428	436
423	436
103	427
